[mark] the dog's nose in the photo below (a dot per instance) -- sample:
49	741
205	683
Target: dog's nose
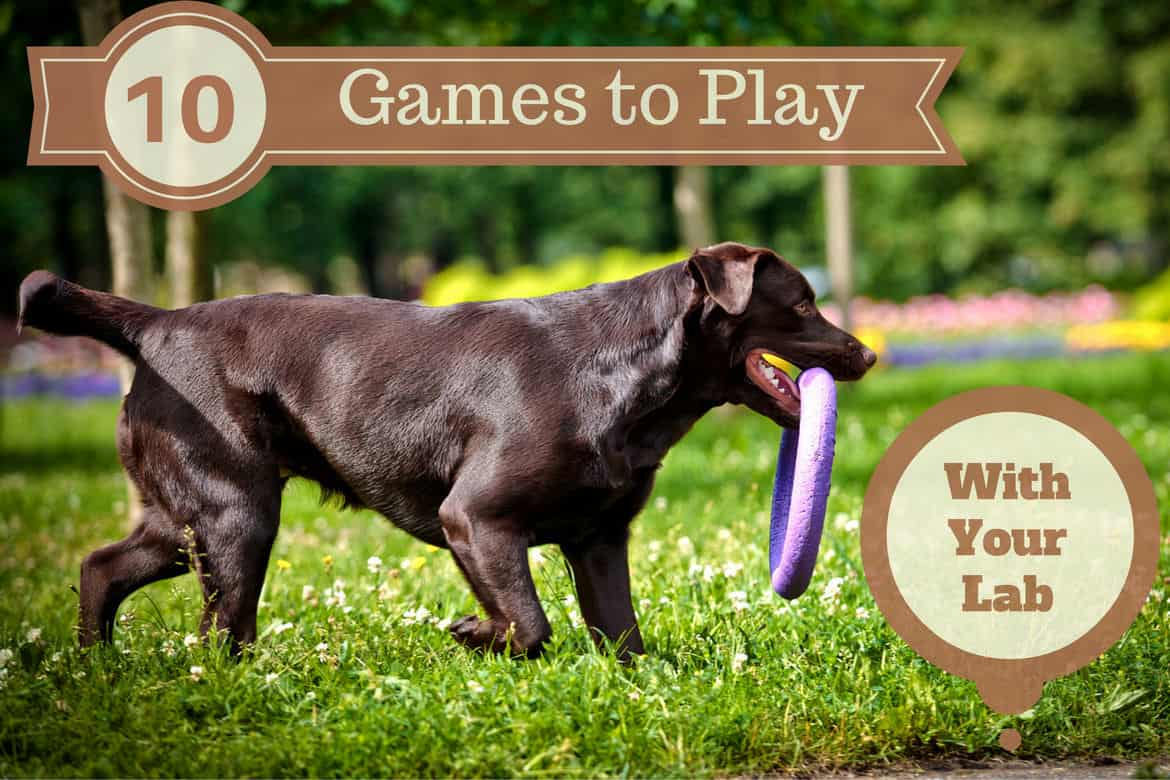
869	356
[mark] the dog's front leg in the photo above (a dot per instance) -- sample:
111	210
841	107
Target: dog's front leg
602	572
492	553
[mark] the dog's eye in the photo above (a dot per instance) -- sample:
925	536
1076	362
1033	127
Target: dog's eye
804	308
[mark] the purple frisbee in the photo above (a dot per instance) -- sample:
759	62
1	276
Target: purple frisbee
801	489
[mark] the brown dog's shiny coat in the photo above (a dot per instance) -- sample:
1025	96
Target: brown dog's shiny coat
485	428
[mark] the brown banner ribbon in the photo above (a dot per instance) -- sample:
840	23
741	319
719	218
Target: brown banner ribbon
186	105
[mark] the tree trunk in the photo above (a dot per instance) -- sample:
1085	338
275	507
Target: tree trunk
184	262
127	220
692	204
839	238
666	233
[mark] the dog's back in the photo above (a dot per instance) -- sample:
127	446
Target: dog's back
375	400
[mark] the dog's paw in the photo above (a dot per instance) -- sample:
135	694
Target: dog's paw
477	633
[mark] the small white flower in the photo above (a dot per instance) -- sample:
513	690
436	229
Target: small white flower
33	635
190	640
840	520
308	593
661	503
374	564
655	546
644	603
724	534
732	569
862	613
321	648
569	600
415	616
311	696
536	556
686	546
6	655
280	628
443	624
737	662
474	686
739	600
832	590
271	677
634	695
196	673
334	597
663	600
708	573
852	525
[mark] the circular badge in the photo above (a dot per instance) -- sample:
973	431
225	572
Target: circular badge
1010	536
185	104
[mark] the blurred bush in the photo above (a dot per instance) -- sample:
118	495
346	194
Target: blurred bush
1119	334
1152	302
470	281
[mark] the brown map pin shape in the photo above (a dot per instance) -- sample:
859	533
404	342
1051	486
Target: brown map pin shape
1010	536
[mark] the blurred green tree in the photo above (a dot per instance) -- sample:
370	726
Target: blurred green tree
1062	109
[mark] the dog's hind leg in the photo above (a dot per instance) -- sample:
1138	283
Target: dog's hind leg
233	551
152	552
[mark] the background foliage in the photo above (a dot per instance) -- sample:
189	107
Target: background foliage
1062	109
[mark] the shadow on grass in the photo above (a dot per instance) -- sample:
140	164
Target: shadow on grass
76	457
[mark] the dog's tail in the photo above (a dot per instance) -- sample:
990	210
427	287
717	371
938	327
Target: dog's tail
58	306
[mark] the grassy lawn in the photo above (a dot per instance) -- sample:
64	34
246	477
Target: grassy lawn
354	674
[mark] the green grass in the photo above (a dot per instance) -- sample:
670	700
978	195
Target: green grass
736	681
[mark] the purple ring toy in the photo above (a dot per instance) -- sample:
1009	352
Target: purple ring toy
801	489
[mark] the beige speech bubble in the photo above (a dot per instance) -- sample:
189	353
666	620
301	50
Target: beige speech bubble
1037	577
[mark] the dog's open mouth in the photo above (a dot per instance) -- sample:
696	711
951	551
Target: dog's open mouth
774	381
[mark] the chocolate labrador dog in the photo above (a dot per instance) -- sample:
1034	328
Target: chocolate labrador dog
485	428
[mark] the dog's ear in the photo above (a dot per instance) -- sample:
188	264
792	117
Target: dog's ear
726	275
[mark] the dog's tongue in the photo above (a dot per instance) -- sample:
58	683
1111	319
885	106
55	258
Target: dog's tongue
775	381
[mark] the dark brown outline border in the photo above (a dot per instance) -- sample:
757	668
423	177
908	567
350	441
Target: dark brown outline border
1013	685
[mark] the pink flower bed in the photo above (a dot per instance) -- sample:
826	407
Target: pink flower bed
1007	310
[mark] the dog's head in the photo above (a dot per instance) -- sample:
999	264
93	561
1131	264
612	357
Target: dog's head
758	305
